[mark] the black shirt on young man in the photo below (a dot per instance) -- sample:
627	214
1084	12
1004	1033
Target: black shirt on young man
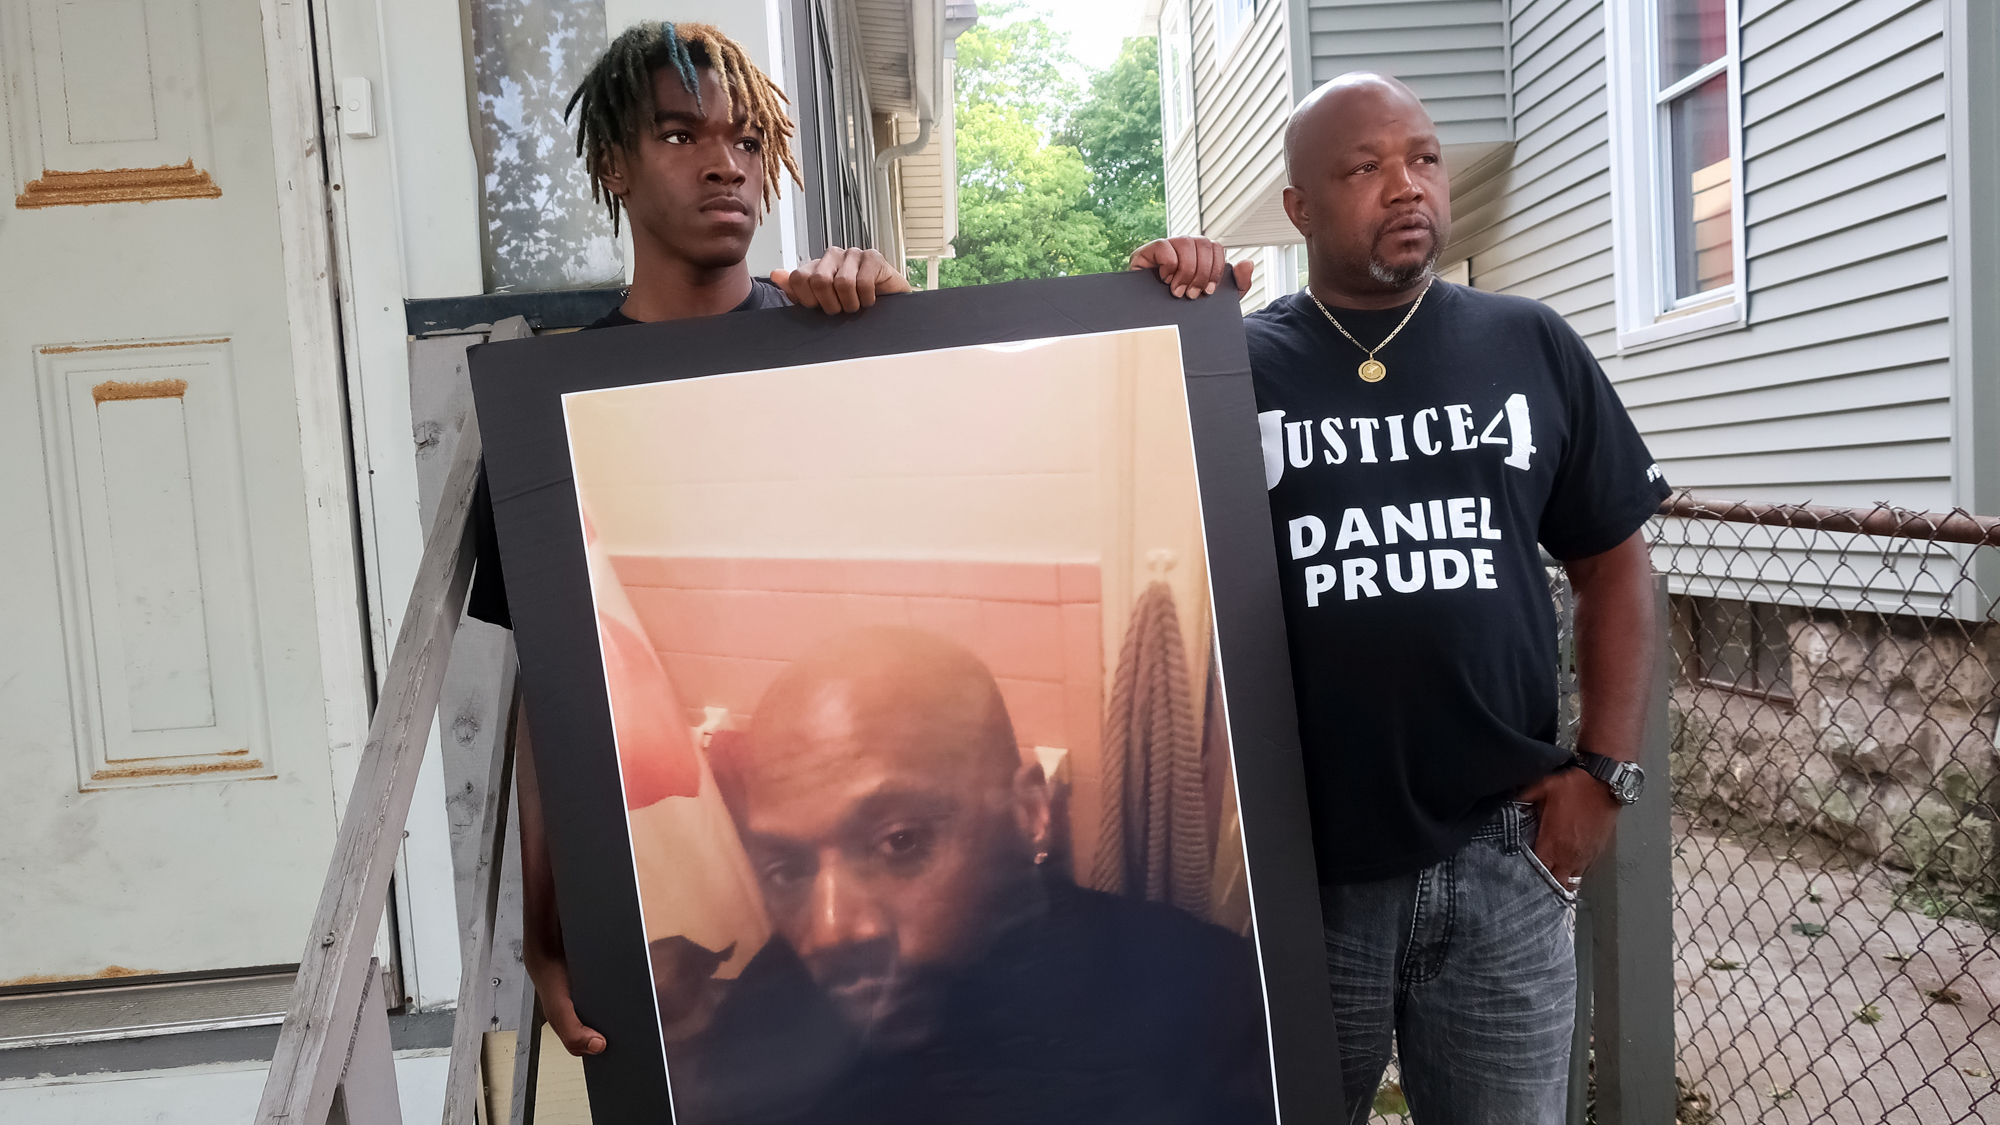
488	599
1406	515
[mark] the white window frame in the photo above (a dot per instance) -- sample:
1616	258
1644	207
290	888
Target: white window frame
1176	62
1642	216
1227	33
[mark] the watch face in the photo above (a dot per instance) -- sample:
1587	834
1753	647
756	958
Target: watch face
1627	784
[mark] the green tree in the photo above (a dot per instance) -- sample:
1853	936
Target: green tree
1117	131
1051	182
1016	63
1023	206
1024	203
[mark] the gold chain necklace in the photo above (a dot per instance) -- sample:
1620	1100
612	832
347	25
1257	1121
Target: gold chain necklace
1372	370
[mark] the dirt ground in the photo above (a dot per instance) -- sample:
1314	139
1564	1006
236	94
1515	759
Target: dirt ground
1807	993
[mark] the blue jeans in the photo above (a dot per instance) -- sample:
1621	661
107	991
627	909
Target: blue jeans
1470	966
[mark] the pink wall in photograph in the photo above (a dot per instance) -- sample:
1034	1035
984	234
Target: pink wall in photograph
725	627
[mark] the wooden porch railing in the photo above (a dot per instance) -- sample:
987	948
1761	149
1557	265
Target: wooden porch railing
333	1060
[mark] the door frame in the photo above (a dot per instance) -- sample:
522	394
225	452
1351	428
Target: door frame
318	376
320	298
401	216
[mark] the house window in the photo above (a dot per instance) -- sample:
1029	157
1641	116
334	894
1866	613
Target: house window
541	230
1740	646
1176	75
1694	100
1232	16
1280	267
1678	168
834	143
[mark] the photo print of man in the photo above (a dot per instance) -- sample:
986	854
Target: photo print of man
930	796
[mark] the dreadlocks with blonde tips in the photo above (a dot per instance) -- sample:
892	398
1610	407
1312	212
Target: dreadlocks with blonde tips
617	99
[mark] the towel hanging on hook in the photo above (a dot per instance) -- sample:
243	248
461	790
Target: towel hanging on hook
1153	838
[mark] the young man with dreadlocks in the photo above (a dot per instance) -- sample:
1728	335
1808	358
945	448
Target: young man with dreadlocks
685	136
688	142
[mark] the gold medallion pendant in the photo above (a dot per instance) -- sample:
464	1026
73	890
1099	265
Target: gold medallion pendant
1372	370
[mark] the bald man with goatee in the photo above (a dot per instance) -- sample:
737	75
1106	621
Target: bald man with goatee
1421	439
928	967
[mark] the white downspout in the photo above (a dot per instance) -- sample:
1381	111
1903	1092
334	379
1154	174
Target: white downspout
925	120
925	96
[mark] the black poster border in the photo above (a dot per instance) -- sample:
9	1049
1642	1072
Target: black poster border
518	387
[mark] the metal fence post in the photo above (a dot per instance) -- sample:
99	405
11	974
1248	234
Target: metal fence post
1630	902
1579	1041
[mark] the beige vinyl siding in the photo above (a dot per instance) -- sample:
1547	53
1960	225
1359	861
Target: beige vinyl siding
885	50
1453	53
1838	391
927	189
1242	98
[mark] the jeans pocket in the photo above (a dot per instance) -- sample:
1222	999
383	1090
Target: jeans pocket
1548	877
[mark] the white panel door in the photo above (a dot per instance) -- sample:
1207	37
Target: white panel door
167	803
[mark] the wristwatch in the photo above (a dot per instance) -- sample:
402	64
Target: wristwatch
1626	780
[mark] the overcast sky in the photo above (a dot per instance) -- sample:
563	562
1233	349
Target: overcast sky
1096	27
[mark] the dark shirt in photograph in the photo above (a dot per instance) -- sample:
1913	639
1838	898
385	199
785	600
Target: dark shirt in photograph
1406	515
488	599
1102	1011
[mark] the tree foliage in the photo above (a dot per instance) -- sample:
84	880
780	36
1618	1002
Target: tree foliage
1052	182
1023	204
1016	63
1117	131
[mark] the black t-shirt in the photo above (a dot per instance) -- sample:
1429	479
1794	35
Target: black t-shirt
488	600
1406	514
1103	1011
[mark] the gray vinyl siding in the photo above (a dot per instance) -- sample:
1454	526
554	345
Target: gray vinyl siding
1242	97
1260	292
1453	53
1183	189
1183	172
1839	389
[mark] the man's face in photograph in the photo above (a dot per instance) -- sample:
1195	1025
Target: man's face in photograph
885	810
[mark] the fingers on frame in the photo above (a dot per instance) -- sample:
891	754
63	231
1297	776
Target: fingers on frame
1188	266
1194	261
825	295
849	282
1211	269
798	285
1167	260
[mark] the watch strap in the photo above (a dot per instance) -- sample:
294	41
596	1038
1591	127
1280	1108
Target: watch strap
1624	778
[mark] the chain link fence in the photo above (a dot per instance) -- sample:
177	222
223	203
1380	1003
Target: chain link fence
1835	781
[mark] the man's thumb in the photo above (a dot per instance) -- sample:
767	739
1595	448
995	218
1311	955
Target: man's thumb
578	1039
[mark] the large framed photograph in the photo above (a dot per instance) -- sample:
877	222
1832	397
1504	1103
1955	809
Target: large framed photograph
912	713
